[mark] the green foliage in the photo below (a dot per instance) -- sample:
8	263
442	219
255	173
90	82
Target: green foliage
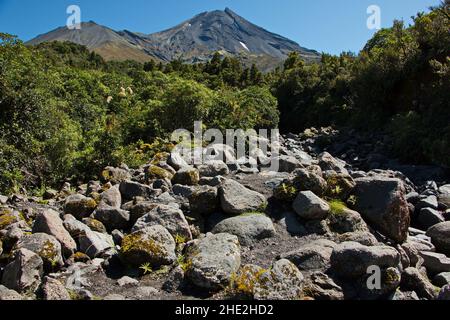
398	83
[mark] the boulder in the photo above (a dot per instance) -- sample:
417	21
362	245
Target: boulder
176	161
95	225
287	163
248	228
352	259
213	168
213	260
440	236
50	223
237	199
444	294
321	287
306	180
131	189
95	244
169	217
414	280
435	262
328	163
430	201
312	256
442	279
221	152
8	294
381	202
79	206
429	217
53	290
310	207
282	282
187	176
153	172
204	200
343	220
46	246
444	195
115	175
24	273
153	245
111	197
362	237
112	218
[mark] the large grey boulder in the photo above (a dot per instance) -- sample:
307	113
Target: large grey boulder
282	282
381	202
169	217
429	217
442	279
287	163
310	207
112	218
79	206
321	287
50	223
352	259
204	200
314	255
24	272
131	189
414	280
46	246
111	197
213	260
176	161
187	176
248	228
435	262
328	163
53	290
213	168
307	180
153	245
237	199
95	244
440	236
115	175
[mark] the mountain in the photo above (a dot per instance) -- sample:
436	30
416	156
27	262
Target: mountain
191	41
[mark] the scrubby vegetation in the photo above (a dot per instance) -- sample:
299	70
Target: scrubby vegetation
65	113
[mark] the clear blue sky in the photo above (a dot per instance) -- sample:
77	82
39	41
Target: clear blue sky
325	25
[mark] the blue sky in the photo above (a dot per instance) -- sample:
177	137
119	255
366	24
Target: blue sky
330	26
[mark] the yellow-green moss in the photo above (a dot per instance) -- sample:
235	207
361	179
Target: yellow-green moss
160	156
155	172
136	242
247	280
49	253
7	217
95	225
80	257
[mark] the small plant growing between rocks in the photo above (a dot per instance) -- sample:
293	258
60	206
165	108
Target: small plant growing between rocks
146	268
286	192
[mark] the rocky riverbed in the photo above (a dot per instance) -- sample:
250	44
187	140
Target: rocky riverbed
340	220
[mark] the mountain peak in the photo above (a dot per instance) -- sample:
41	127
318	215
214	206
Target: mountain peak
191	41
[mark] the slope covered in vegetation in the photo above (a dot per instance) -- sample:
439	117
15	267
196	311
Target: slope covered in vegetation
65	113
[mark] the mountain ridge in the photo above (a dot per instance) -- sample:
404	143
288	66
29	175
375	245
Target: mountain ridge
193	40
